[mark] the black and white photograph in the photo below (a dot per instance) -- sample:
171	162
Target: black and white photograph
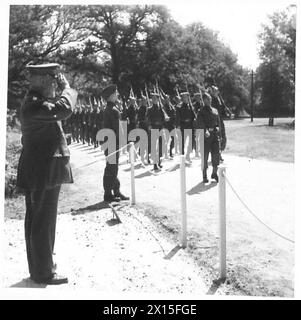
149	150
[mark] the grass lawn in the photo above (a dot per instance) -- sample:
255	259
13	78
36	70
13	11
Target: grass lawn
258	140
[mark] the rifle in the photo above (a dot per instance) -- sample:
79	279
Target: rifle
146	93
166	117
190	102
227	109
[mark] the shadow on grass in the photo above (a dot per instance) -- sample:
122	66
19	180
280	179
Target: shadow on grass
201	187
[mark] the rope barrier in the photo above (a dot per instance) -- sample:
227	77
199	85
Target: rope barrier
254	215
89	164
150	171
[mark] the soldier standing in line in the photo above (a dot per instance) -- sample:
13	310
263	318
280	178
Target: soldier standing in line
89	124
78	123
72	123
170	124
217	104
98	119
197	106
93	129
142	122
155	118
185	118
131	113
44	165
82	118
208	119
111	121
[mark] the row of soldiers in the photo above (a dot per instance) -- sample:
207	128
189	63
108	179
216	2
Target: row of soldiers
179	112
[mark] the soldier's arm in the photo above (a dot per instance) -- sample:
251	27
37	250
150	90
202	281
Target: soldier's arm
115	118
60	110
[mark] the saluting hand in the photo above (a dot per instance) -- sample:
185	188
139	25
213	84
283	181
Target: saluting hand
62	81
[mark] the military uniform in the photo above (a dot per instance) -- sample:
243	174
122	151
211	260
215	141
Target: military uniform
217	104
155	118
208	119
170	124
82	128
111	118
185	119
131	115
43	167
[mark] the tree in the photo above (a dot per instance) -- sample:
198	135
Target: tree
35	33
276	73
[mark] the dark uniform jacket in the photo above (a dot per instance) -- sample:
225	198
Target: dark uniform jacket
208	118
44	160
171	112
111	118
185	116
155	117
141	117
217	104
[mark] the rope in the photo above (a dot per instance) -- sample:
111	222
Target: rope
153	173
89	164
254	215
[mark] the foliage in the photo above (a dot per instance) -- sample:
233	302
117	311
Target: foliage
130	45
276	74
13	150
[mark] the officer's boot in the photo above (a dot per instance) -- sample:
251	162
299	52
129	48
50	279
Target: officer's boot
205	179
156	168
214	174
108	197
121	196
160	164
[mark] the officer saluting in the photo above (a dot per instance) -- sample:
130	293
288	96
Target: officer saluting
208	119
44	165
111	121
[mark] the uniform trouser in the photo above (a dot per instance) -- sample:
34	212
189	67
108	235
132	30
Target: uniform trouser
93	135
40	224
155	145
189	137
83	134
110	179
88	134
172	139
211	144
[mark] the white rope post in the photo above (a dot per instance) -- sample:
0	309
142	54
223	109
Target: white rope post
222	220
183	235
132	160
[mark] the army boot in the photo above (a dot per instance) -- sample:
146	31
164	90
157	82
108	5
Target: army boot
214	174
121	196
156	168
205	179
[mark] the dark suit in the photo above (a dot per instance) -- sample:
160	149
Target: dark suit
208	119
156	120
185	119
43	167
111	118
